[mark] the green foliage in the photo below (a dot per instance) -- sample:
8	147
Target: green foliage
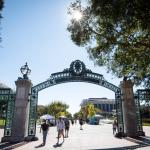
1	7
2	122
41	110
97	110
116	35
87	111
76	115
91	110
146	124
57	108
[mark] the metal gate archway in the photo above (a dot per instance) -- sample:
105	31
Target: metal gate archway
76	73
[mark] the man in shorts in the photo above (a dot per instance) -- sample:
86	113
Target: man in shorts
60	129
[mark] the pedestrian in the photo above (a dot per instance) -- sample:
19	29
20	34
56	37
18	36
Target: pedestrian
115	126
60	129
75	121
72	121
67	126
81	123
44	128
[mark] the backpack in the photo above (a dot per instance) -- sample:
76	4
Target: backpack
44	127
67	123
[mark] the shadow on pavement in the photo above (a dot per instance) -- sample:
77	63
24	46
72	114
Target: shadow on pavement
41	145
143	141
58	145
122	148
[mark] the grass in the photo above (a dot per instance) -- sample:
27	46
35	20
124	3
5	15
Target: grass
146	121
2	122
146	124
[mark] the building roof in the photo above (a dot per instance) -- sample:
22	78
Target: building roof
98	101
3	86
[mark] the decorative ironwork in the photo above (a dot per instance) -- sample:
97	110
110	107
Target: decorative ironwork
7	96
77	67
76	73
33	110
138	114
25	71
119	113
144	96
141	96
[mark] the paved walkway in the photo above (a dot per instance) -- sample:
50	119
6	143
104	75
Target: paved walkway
92	137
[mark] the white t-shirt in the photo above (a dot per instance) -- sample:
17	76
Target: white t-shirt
60	125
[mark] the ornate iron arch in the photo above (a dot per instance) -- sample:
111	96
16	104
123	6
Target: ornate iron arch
77	72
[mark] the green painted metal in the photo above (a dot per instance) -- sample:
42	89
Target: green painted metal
141	96
138	114
76	73
144	96
119	112
8	96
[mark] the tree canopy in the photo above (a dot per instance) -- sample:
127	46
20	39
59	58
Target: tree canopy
116	34
1	7
57	108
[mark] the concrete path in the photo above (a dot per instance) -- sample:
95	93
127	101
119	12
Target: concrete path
92	137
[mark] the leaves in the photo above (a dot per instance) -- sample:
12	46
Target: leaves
116	35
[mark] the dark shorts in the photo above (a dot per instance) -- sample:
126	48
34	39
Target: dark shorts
66	128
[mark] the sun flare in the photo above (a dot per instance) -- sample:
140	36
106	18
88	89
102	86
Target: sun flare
77	15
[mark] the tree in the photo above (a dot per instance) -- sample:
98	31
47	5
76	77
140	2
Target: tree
116	34
1	4
41	110
1	7
76	115
87	110
57	108
91	110
97	110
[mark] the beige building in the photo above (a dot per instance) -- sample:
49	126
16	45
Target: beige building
104	104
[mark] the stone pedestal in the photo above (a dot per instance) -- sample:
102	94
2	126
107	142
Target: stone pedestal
21	111
129	109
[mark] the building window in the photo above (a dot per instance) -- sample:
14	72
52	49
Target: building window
111	107
103	107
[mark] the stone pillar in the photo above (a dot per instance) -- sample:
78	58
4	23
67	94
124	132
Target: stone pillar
21	110
129	109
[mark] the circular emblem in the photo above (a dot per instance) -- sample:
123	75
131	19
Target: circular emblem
77	67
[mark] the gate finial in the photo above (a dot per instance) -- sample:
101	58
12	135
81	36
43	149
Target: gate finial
25	71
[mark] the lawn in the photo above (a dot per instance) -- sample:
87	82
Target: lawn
146	121
146	124
2	122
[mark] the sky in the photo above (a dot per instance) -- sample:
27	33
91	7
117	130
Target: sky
35	31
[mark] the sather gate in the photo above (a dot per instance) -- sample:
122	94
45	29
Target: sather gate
77	72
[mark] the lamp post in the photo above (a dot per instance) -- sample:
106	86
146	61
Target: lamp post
25	71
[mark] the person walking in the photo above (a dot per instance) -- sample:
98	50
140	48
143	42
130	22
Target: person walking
81	123
72	121
114	126
44	128
67	126
60	129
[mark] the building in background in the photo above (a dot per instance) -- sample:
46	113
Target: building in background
104	104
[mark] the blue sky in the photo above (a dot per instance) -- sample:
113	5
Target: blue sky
34	31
